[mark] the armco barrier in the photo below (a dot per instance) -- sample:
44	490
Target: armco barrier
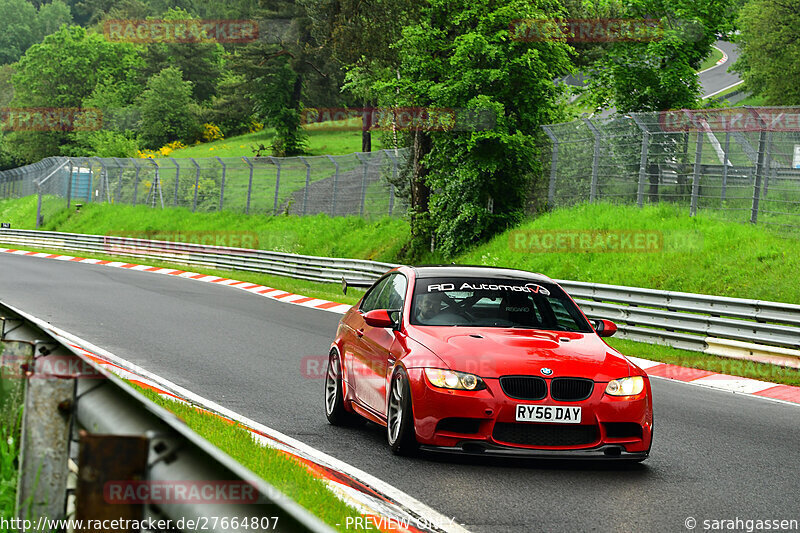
690	321
77	411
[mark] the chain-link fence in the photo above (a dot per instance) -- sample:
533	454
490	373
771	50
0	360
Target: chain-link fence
743	163
361	184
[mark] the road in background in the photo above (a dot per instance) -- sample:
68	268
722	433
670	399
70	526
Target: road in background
716	455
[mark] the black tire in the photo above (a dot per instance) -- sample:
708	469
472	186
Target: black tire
400	417
334	398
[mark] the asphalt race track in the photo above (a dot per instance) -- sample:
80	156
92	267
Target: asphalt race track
716	455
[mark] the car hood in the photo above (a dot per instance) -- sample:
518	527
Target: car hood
495	352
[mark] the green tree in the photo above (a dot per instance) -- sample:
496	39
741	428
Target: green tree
460	54
51	17
200	63
61	72
16	29
167	109
770	50
658	72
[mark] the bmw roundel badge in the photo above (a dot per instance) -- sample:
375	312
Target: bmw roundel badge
547	371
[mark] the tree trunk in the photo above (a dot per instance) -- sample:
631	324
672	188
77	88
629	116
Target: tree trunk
420	192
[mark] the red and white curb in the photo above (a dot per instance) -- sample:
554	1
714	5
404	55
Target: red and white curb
722	382
379	506
693	376
720	61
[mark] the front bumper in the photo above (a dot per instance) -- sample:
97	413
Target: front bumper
607	452
485	409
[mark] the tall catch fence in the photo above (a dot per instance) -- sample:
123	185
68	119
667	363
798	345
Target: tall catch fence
361	184
742	163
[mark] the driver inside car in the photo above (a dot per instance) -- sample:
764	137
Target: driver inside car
429	306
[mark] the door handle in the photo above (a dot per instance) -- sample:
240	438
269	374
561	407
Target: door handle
360	332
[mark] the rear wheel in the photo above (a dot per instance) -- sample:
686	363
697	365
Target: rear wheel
334	395
400	417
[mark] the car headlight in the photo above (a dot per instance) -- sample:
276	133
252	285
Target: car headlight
449	379
630	386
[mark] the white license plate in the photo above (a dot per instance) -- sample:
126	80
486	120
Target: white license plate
554	414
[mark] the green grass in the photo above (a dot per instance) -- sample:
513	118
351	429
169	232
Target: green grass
285	473
11	396
336	140
703	254
377	239
723	365
753	100
711	59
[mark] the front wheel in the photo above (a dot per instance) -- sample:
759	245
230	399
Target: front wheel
400	417
334	395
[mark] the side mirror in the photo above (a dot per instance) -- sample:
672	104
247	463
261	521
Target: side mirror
604	328
379	318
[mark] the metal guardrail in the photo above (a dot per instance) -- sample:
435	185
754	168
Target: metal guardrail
686	320
325	269
81	412
682	320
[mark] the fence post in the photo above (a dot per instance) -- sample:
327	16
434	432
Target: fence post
135	181
335	183
196	183
363	183
156	187
277	163
69	185
119	178
308	182
177	180
595	159
551	191
767	165
394	179
642	160
249	185
39	207
698	159
725	163
102	175
762	149
222	187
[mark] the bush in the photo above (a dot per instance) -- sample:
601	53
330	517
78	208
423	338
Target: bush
168	110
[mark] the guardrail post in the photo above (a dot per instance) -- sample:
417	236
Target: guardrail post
249	185
48	398
551	191
222	186
762	149
363	183
595	159
277	163
725	164
335	183
642	160
135	181
177	180
196	183
308	182
698	155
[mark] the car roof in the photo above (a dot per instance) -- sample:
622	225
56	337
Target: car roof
475	271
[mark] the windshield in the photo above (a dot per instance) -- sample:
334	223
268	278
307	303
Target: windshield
503	303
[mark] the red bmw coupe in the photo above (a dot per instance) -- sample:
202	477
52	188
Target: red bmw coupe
486	361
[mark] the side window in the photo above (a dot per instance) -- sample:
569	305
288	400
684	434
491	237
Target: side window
396	292
370	300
